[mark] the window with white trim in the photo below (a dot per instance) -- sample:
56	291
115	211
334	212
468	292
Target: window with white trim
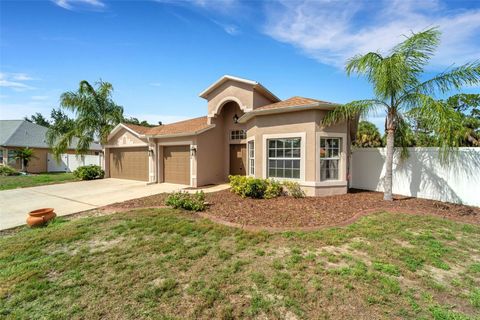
251	158
238	134
283	158
329	158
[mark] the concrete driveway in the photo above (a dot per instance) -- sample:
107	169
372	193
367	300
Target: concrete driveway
72	197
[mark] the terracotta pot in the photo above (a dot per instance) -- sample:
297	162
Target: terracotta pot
39	217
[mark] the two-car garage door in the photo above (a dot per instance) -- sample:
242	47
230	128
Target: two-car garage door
132	163
129	163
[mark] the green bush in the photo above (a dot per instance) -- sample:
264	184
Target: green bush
238	184
294	189
8	171
274	189
90	172
255	188
187	201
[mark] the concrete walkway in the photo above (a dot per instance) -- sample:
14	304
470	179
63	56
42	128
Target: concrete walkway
72	197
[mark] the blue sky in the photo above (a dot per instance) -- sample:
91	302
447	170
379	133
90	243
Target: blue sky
160	54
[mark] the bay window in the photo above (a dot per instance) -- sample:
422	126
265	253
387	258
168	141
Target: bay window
329	158
283	158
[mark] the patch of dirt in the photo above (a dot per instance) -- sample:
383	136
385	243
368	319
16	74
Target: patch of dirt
310	213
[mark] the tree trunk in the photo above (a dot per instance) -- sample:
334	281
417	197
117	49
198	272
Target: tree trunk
387	195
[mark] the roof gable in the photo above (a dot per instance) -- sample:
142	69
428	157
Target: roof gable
255	86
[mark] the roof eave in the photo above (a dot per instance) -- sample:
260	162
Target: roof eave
315	106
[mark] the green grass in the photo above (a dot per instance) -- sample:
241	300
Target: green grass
14	182
165	264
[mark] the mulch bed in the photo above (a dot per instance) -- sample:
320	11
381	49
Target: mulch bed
284	213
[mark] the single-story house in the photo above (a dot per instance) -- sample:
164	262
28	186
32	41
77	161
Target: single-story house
18	134
247	131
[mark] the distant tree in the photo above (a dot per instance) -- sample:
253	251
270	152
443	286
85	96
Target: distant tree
466	107
132	120
368	136
96	114
25	155
61	124
39	119
398	83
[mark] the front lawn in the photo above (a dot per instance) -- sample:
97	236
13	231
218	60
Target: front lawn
167	264
32	180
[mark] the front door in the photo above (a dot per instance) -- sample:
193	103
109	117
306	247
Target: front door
238	159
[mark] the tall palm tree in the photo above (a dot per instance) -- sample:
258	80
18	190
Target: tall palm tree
95	116
397	86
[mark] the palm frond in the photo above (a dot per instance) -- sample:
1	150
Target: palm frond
457	78
351	110
418	48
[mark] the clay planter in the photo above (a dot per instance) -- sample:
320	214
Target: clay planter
40	217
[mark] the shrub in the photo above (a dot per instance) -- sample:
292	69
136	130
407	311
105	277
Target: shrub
294	189
254	187
238	184
187	201
274	189
8	171
89	172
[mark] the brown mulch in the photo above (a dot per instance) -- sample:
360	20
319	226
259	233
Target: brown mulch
309	213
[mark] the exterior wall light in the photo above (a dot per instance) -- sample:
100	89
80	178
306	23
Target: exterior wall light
235	118
193	150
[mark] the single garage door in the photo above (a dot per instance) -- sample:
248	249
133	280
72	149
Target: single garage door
129	163
176	164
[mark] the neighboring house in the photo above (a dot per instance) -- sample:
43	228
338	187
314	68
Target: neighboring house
248	131
17	134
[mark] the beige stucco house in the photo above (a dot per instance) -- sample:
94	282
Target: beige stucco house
247	131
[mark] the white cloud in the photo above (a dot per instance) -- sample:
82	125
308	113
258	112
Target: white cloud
221	9
74	4
156	84
231	29
332	31
15	81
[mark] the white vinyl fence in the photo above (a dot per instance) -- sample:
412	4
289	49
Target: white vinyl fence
422	175
70	162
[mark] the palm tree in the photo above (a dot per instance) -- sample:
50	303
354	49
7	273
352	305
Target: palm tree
25	155
368	136
395	79
96	116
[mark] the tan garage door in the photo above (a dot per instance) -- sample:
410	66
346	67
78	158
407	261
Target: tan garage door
129	163
176	164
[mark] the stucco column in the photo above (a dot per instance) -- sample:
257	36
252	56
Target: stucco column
152	161
5	156
106	162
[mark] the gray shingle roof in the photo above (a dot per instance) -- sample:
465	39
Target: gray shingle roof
21	133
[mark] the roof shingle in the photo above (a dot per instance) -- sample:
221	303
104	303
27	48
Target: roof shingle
187	126
293	102
182	127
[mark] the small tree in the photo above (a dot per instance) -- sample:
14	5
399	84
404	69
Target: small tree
25	155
